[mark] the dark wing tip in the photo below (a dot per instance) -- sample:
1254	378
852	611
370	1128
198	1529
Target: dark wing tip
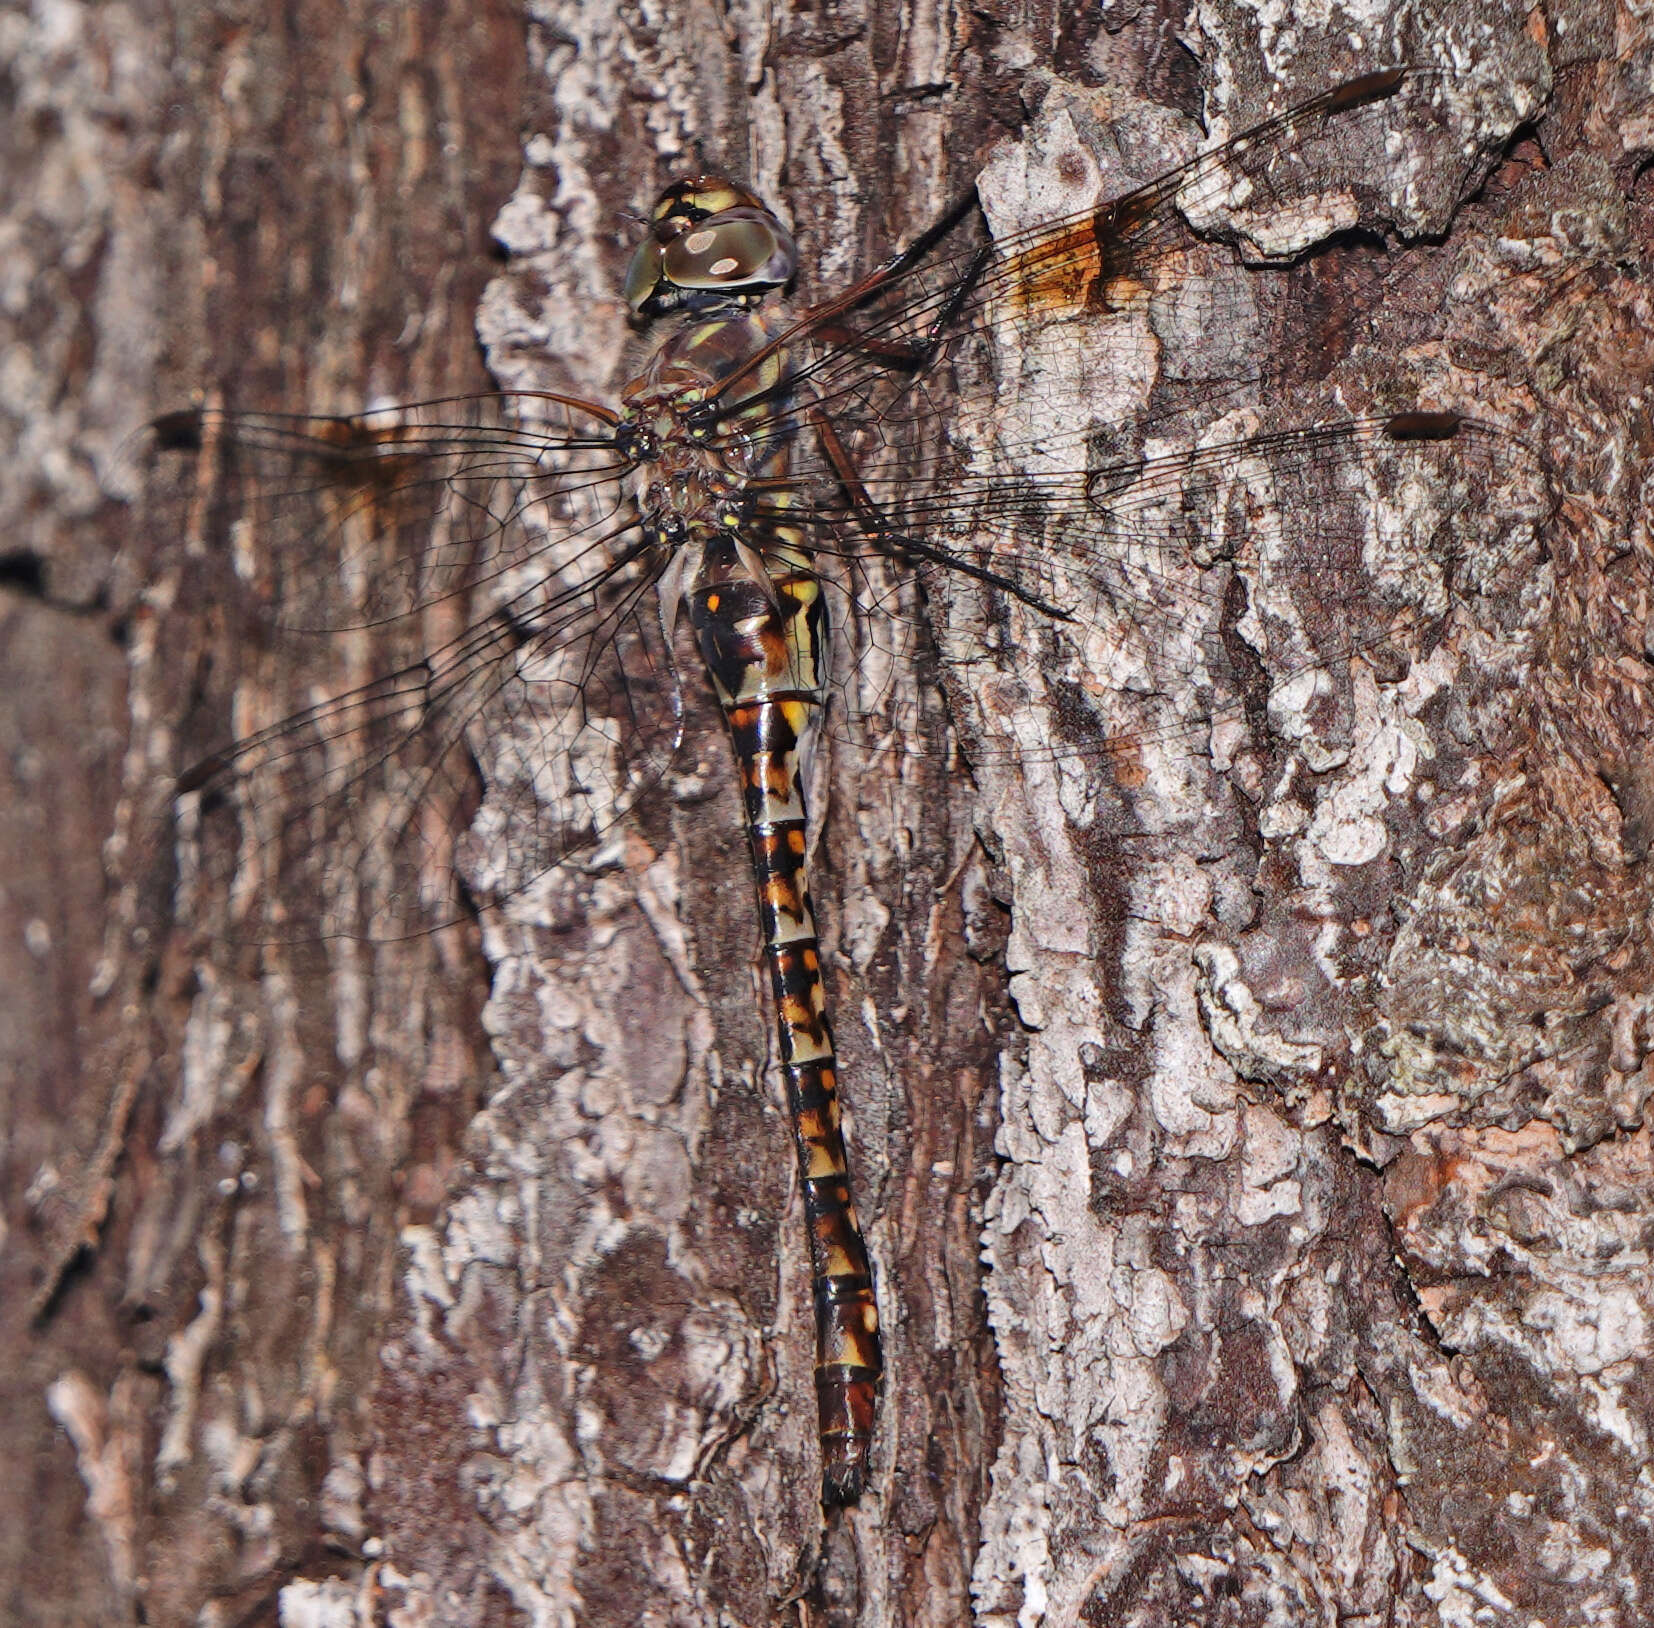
179	431
1369	87
198	774
1422	425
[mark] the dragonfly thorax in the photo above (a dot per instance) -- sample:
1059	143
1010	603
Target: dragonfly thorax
694	454
687	501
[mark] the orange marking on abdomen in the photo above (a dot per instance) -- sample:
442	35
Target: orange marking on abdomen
848	1358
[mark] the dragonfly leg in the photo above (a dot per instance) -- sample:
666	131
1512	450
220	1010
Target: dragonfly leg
890	540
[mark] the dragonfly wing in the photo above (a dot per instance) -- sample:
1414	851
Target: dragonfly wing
1323	166
1232	580
335	523
1135	496
459	596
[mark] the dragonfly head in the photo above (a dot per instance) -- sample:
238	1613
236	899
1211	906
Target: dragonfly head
711	242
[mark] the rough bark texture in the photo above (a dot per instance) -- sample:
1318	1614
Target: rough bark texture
461	1281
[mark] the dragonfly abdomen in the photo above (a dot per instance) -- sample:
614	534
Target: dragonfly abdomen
764	646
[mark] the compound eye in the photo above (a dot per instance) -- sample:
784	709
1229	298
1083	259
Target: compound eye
729	253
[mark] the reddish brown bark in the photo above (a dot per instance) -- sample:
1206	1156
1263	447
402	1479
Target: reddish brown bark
1315	1280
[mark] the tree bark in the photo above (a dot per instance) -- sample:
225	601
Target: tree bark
1251	1148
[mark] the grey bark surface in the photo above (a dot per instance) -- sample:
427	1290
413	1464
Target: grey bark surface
1252	1149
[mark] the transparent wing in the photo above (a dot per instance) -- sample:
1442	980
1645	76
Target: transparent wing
1171	540
456	593
474	574
873	350
1231	578
352	522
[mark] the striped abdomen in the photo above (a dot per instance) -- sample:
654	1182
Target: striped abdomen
766	658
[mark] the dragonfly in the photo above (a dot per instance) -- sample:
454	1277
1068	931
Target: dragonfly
534	577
